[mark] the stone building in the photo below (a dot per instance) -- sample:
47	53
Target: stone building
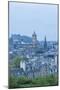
34	39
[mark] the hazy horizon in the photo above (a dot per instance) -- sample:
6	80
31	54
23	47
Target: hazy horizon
25	18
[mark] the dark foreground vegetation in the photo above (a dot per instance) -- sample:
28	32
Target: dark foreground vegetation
22	82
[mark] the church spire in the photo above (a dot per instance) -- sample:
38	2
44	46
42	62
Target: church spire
45	43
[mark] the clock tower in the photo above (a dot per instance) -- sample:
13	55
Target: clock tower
34	39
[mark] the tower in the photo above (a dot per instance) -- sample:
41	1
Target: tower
45	43
34	39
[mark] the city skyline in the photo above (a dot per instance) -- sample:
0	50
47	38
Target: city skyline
25	18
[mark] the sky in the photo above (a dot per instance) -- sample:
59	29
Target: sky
26	18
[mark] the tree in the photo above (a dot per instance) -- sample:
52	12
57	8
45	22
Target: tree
17	62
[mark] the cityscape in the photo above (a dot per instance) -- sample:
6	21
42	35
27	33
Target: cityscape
35	58
33	45
39	55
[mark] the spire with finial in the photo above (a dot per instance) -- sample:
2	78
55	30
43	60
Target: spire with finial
45	43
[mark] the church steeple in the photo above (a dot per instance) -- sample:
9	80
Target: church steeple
45	43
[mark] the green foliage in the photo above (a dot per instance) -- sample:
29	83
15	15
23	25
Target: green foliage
52	79
19	82
16	62
24	80
12	82
40	81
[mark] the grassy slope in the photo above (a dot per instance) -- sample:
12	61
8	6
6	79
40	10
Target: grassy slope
21	82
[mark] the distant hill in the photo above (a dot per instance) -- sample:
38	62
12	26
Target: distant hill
26	39
19	38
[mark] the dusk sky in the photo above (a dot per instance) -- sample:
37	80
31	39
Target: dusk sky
25	18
